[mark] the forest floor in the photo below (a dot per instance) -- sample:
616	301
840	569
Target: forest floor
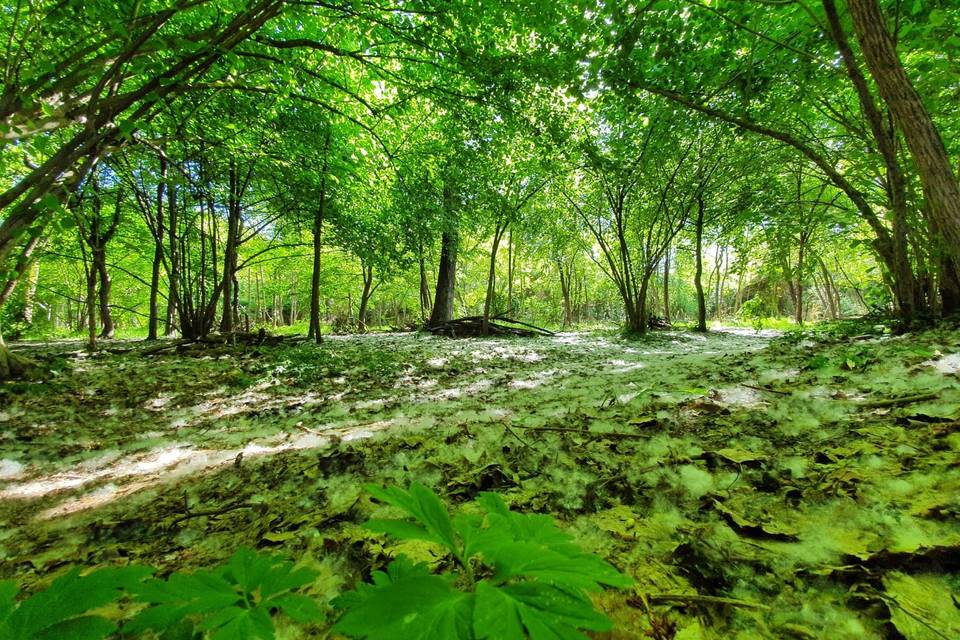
796	487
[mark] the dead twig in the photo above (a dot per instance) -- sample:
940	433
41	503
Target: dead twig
899	402
614	435
693	598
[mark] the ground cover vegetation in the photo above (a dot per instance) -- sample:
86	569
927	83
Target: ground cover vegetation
459	319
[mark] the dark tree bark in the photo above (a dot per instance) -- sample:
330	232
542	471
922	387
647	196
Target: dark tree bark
940	186
446	279
99	259
904	282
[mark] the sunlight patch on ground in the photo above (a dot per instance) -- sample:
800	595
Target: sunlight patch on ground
534	381
946	365
167	464
738	396
10	469
622	366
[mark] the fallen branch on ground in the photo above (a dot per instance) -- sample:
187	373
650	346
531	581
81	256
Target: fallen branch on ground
473	326
214	340
899	402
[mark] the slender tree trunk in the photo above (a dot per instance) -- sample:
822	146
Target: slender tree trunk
23	263
30	293
446	279
940	186
99	257
230	252
565	291
510	274
91	308
314	331
153	322
829	290
698	273
365	297
175	315
798	308
424	288
491	279
666	284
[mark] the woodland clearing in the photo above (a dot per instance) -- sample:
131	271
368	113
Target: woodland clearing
802	486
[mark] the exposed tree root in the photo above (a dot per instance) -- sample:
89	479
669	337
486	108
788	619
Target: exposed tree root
473	326
13	366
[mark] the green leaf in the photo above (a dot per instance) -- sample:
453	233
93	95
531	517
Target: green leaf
241	624
544	611
8	591
297	607
82	628
495	615
424	506
235	598
69	597
421	607
400	529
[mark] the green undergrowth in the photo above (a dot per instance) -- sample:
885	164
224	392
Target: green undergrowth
802	489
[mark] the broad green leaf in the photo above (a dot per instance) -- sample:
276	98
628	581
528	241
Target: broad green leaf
414	608
68	597
425	507
400	529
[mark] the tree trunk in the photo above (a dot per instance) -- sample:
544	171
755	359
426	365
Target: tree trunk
365	298
896	183
510	274
175	315
829	291
666	284
91	309
798	307
30	293
230	252
424	288
491	279
940	186
446	279
314	330
565	291
99	257
698	273
153	321
23	263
